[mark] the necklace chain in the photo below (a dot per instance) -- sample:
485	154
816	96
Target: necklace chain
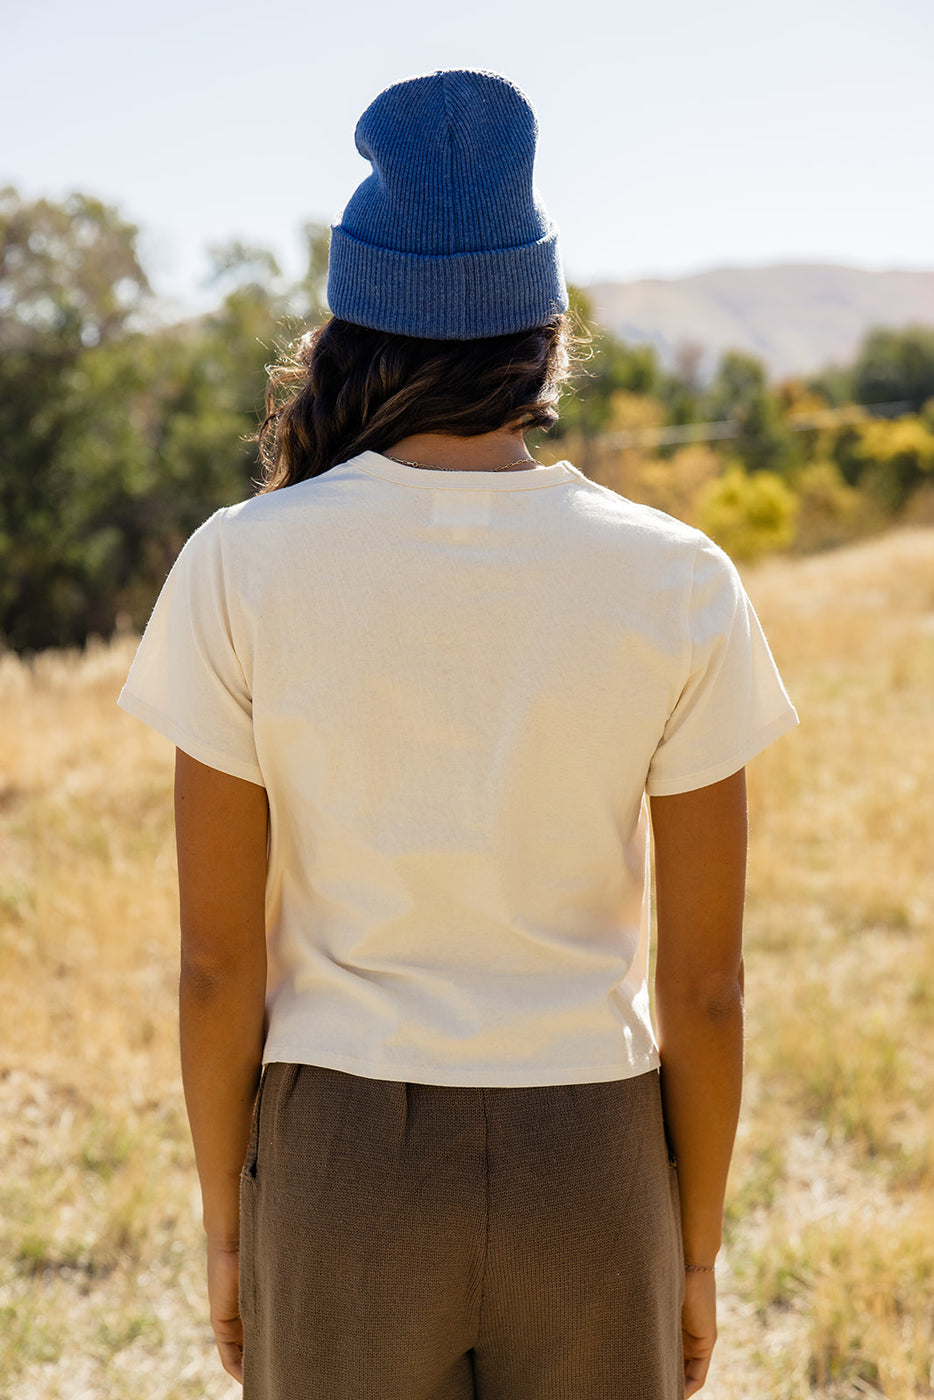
424	467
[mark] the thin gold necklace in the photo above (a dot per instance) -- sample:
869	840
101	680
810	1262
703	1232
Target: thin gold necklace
424	467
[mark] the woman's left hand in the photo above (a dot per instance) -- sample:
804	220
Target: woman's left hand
698	1328
223	1296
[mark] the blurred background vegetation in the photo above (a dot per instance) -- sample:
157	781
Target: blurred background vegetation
119	434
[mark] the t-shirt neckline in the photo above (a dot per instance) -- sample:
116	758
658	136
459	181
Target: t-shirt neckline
531	479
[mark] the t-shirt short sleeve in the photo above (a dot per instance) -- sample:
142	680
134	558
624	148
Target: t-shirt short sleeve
733	703
188	680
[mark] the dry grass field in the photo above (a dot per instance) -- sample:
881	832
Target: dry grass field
828	1275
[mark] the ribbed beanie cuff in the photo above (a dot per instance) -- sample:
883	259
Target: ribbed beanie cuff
464	296
447	239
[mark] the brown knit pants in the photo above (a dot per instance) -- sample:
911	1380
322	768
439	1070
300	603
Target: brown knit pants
412	1242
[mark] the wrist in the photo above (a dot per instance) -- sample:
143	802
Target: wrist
223	1244
220	1208
222	1228
701	1235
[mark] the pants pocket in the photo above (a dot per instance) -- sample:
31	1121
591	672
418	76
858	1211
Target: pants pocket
251	1160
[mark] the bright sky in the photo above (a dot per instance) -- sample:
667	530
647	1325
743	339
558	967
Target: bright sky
675	135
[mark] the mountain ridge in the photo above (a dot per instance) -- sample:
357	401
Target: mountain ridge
797	317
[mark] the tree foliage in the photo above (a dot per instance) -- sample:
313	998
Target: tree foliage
889	459
892	366
69	273
740	394
116	441
748	515
118	436
895	366
606	368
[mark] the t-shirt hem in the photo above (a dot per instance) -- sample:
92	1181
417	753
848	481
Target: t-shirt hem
196	748
690	782
460	1077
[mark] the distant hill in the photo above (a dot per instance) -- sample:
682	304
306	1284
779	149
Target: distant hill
796	317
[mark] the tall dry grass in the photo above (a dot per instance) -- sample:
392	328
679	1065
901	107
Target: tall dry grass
831	1238
100	1259
828	1277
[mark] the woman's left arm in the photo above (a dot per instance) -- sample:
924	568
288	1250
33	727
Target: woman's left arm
221	825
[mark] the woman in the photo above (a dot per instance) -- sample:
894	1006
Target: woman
420	687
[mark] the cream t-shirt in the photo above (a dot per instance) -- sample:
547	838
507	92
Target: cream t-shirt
456	688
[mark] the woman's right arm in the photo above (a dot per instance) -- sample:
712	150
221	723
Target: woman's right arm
700	872
221	825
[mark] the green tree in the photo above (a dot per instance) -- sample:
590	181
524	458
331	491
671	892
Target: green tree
70	275
740	393
70	285
895	366
116	442
681	388
611	366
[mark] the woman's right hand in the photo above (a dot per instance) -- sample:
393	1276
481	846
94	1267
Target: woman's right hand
223	1287
698	1328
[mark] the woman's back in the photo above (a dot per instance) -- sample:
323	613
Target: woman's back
455	688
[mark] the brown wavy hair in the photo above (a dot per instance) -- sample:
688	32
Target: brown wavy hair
344	389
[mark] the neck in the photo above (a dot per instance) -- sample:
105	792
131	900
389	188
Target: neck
484	453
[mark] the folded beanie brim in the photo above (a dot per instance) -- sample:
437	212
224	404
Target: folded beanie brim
460	296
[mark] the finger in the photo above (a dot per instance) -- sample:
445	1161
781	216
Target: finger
695	1374
231	1357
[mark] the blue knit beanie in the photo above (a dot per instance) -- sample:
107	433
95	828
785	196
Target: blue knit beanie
447	238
